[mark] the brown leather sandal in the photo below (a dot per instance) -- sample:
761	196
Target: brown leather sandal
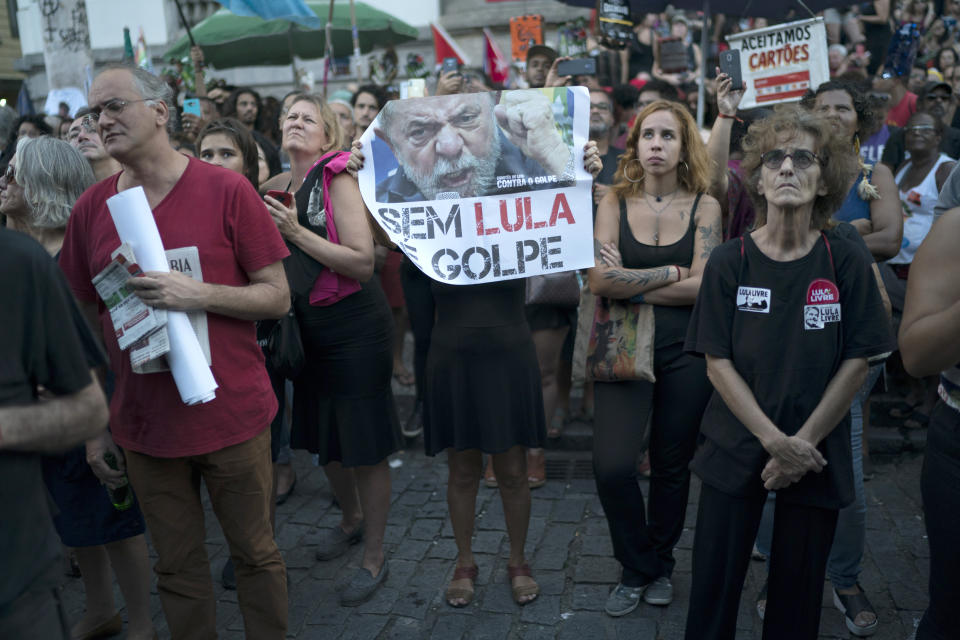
526	590
462	593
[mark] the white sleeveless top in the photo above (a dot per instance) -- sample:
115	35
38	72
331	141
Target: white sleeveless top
917	204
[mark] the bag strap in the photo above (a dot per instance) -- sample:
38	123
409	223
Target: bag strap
693	211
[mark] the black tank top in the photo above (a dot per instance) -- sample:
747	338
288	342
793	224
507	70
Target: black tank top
671	321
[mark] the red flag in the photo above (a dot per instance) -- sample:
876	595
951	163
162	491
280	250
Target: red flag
495	65
445	47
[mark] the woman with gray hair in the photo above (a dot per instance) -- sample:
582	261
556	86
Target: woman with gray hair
786	318
43	180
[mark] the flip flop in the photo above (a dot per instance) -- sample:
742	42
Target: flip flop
526	590
462	593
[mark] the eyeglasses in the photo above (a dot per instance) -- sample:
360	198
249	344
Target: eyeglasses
938	96
113	108
600	107
10	175
801	158
921	129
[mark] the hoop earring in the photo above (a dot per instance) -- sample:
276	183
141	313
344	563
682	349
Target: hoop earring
627	175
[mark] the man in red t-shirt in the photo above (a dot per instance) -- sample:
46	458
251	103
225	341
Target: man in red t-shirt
904	102
214	227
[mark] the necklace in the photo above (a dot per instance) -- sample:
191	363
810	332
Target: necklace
660	197
658	211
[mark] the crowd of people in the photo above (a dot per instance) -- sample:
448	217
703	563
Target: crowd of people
777	260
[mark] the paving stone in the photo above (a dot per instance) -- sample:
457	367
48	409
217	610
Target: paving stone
544	610
568	510
596	546
403	628
450	626
487	542
552	583
411	549
590	597
492	627
364	627
584	625
414	602
534	632
444	548
572	562
600	570
425	529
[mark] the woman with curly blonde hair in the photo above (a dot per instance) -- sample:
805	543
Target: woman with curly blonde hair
653	235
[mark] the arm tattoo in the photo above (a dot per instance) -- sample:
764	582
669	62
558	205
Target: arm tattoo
710	237
638	277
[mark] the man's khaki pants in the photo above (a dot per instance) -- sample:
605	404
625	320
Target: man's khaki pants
239	480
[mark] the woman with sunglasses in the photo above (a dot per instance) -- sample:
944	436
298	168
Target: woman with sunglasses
872	207
786	317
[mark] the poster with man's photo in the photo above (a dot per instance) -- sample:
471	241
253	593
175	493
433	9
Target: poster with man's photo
481	187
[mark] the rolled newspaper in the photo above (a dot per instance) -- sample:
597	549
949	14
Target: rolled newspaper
135	225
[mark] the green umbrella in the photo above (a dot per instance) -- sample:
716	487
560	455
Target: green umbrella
229	40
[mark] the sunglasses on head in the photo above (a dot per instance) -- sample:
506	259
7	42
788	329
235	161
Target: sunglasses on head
801	158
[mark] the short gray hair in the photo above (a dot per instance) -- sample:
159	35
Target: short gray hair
53	175
151	88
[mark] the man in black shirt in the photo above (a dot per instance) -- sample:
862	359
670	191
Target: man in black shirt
601	121
937	99
48	402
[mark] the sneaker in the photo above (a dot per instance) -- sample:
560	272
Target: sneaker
362	586
659	592
333	543
762	601
623	600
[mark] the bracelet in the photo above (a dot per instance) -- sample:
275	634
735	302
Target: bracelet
679	277
723	115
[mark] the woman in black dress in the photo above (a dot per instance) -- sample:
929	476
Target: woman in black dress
786	317
654	232
343	408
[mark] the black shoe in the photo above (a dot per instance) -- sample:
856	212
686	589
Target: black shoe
282	497
414	424
228	577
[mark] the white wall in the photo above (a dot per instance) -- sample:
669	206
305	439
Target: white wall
105	19
416	13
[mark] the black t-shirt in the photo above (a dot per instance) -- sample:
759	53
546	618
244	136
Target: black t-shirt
787	326
38	348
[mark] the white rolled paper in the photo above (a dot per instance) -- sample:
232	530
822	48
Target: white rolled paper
135	225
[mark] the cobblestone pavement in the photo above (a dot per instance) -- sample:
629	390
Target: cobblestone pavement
568	547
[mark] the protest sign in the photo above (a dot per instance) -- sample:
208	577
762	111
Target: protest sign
482	187
780	63
525	31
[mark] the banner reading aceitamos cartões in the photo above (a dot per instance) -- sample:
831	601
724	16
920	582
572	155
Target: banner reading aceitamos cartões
780	63
481	187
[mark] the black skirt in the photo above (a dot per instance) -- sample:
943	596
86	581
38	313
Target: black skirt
343	408
482	372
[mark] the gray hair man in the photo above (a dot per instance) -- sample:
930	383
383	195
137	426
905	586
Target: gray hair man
215	225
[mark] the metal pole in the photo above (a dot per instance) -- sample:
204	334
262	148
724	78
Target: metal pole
293	61
329	61
185	25
704	43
